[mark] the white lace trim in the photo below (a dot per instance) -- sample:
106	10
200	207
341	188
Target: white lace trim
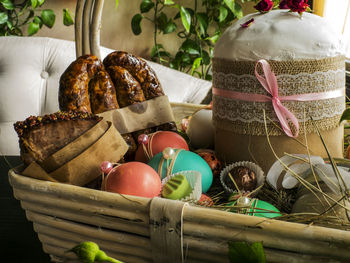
249	112
288	84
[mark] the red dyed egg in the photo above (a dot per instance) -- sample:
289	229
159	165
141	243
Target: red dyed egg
210	157
133	178
158	141
205	201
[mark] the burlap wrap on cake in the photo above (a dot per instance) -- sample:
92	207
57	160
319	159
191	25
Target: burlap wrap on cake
240	128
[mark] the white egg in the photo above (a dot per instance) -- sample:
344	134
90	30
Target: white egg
201	129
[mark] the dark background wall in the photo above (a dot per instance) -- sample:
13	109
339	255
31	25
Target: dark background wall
18	241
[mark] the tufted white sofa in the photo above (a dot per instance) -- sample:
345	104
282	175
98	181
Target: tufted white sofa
30	69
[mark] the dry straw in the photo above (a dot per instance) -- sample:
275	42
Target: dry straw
324	218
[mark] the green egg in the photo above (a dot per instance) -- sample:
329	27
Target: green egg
258	208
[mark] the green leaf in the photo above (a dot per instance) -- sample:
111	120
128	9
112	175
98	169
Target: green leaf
242	252
3	18
205	57
345	115
258	250
34	3
146	5
7	4
230	4
237	11
9	25
223	13
164	54
40	2
214	37
198	73
190	47
203	21
116	4
169	27
165	25
48	17
196	64
185	60
33	28
185	18
235	8
169	2
38	20
209	77
162	20
155	49
67	18
136	24
174	65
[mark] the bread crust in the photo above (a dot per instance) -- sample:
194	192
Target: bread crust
102	93
139	69
41	136
128	89
73	94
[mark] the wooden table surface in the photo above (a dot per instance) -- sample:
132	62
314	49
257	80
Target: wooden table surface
18	241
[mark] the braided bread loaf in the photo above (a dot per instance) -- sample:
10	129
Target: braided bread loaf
88	85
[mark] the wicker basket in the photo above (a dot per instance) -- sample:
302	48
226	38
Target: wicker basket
135	229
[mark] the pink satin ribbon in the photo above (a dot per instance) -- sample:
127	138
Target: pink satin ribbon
269	82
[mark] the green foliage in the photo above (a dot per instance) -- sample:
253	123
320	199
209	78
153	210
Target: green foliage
15	15
67	18
48	17
136	24
89	252
199	24
242	252
345	115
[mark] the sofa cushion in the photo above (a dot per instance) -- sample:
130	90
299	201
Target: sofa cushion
30	68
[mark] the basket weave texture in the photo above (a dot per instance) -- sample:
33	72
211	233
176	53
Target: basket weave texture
135	229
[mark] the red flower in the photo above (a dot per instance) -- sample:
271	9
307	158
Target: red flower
248	23
297	5
264	5
283	4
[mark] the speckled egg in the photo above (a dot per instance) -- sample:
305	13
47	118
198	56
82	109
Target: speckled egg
210	157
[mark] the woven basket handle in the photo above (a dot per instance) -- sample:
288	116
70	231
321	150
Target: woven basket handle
87	28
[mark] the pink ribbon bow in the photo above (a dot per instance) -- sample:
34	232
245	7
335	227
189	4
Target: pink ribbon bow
269	82
270	85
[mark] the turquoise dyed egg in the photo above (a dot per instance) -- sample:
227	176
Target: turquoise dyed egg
185	161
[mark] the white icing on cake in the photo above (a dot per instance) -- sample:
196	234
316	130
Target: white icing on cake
279	35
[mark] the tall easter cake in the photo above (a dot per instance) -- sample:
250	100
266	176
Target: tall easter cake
304	55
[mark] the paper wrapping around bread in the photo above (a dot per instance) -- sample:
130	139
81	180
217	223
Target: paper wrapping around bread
78	163
139	116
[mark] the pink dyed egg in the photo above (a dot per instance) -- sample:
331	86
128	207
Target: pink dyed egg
158	142
133	178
